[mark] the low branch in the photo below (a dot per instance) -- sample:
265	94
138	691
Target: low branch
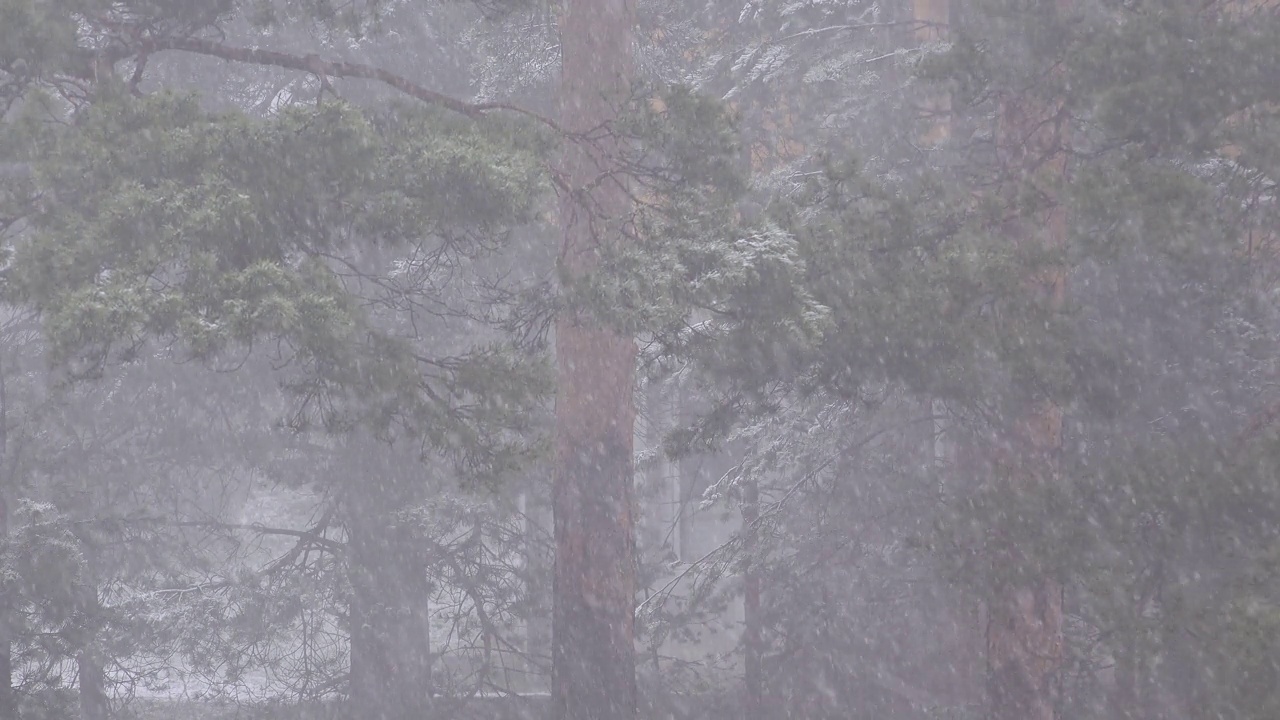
312	535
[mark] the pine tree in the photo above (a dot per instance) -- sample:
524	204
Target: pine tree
216	233
593	634
1066	317
234	222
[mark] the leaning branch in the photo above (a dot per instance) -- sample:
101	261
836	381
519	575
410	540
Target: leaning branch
313	535
307	63
323	68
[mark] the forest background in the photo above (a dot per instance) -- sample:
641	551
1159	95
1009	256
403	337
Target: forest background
391	358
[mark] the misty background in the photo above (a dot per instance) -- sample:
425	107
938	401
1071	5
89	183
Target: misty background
611	359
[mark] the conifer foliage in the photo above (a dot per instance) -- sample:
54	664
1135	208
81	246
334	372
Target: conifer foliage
974	300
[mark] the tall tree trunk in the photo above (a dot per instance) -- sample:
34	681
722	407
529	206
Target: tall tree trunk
390	651
752	641
94	704
8	699
1024	623
593	623
93	693
538	559
372	679
1024	651
933	24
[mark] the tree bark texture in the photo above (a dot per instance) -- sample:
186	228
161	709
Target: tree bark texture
593	617
1025	646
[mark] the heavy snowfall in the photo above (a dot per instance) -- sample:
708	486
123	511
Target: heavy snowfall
639	359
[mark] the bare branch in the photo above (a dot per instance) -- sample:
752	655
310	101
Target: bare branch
322	68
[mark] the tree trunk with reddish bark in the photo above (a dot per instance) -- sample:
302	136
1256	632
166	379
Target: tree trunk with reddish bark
593	618
1025	646
1024	651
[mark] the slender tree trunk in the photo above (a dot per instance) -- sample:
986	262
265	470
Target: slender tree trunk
1024	627
753	678
372	675
390	651
593	623
8	699
538	558
391	661
94	704
93	693
369	665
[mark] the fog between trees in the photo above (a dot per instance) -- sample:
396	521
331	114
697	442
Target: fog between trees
608	359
